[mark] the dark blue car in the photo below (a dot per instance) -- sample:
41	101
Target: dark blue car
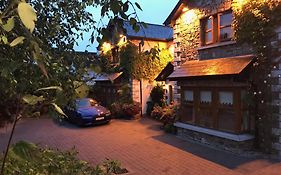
87	112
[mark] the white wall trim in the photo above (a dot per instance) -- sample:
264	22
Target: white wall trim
235	137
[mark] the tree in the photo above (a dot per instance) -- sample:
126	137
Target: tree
37	63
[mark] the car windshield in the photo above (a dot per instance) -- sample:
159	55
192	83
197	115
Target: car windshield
85	103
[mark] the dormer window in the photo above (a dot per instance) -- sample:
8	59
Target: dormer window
216	28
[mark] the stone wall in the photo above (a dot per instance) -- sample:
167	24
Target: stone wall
187	28
188	46
276	90
228	49
216	142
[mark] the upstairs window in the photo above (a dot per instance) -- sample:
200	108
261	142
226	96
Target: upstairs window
216	28
208	30
225	30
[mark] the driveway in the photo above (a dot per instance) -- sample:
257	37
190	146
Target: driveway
141	147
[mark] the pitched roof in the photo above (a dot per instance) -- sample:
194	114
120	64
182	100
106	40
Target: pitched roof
108	77
221	66
153	32
176	11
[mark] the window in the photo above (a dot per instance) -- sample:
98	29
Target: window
188	96
205	109
219	108
226	114
226	98
208	30
217	28
205	97
225	30
188	110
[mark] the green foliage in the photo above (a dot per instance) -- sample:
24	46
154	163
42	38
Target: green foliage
125	110
143	65
28	159
157	112
157	95
37	39
128	56
27	15
124	94
254	23
168	115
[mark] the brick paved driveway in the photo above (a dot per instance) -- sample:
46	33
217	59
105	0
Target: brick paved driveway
141	147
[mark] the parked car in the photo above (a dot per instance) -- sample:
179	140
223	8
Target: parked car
87	112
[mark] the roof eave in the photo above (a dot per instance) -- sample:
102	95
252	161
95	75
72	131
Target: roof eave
148	38
178	8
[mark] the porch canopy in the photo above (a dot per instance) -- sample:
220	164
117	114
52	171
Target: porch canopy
168	70
214	67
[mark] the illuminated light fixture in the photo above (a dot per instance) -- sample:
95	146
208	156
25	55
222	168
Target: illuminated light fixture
106	47
185	9
189	16
122	40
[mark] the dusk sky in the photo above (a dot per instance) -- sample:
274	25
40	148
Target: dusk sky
154	11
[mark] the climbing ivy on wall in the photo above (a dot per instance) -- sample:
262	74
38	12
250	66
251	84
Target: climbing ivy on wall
145	65
254	23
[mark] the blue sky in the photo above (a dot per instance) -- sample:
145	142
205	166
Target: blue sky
154	11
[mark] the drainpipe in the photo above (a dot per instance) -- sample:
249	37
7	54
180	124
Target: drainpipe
140	45
141	96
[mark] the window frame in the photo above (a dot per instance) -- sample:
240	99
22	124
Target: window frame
215	28
225	26
206	31
216	106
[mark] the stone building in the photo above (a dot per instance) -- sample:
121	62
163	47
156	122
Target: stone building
148	37
212	72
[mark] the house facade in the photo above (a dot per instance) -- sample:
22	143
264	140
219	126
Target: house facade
148	37
212	72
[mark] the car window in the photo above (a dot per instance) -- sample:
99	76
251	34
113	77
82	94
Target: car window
83	103
86	103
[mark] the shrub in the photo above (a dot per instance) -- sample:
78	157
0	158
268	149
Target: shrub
28	159
125	110
113	167
130	110
167	115
157	95
116	109
157	112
